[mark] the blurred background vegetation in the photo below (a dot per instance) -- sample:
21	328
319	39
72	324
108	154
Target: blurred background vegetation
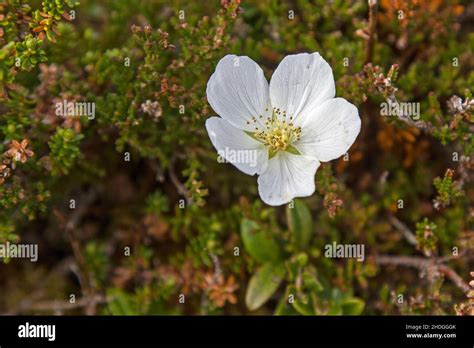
134	215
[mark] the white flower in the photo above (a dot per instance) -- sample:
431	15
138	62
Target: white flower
292	125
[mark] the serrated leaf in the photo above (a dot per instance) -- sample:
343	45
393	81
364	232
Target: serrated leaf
259	244
353	306
300	223
263	284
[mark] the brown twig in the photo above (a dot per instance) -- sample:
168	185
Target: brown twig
424	126
421	263
369	48
25	304
217	265
82	273
177	183
160	177
455	278
409	236
463	169
56	305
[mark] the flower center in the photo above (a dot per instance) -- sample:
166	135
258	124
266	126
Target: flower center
278	134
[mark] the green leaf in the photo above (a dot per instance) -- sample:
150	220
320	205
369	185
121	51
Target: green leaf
335	309
263	284
353	306
300	223
122	303
302	303
259	244
284	307
304	307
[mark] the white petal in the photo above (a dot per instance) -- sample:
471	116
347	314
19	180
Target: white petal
287	176
238	91
300	83
238	148
330	130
